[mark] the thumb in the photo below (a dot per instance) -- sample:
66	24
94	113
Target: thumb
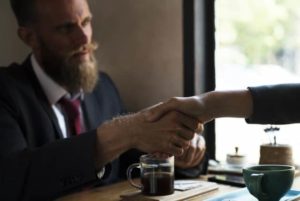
155	112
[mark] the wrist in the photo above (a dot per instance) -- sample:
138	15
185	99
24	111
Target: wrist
130	124
111	141
133	129
236	103
123	126
209	104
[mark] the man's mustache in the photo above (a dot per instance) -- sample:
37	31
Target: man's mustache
86	48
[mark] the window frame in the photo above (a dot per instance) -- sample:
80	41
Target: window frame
199	56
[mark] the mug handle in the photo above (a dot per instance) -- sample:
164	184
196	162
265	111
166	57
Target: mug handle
255	181
129	177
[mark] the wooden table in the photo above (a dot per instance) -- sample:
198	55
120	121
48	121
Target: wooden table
113	192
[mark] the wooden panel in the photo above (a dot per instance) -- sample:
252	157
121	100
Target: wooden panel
141	48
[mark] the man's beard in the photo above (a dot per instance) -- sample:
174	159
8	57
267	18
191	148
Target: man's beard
72	74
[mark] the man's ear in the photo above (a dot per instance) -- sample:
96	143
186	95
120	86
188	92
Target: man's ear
28	36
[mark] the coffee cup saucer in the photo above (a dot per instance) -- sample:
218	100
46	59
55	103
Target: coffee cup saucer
243	194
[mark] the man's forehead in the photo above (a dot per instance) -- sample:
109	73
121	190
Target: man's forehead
56	10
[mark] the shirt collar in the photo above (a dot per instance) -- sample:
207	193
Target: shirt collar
53	91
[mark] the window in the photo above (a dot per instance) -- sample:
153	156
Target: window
257	43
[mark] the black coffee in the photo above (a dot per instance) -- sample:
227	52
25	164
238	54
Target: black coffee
158	183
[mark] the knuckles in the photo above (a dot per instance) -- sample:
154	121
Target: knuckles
173	101
175	116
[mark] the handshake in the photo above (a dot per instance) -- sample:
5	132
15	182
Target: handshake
171	127
161	128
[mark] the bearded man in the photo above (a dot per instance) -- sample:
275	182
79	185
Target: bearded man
48	148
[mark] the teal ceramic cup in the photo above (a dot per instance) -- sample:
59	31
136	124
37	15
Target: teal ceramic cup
269	182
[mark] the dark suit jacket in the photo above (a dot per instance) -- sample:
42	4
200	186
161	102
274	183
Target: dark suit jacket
35	162
275	104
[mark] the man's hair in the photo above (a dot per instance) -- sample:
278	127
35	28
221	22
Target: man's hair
24	11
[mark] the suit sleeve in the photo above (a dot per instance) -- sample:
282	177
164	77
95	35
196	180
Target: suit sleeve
42	173
275	104
48	172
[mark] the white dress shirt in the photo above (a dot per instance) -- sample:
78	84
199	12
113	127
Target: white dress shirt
54	93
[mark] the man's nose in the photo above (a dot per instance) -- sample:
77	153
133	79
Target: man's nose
81	37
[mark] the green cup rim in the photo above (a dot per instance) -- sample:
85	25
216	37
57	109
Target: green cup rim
252	168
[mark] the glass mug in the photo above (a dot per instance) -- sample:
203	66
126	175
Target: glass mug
157	175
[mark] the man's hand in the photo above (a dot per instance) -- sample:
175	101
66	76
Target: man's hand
171	134
193	155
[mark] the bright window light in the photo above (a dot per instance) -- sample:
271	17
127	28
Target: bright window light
257	43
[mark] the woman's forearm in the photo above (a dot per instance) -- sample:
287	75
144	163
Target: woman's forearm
236	103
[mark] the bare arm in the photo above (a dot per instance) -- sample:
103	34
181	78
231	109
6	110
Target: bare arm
207	106
228	104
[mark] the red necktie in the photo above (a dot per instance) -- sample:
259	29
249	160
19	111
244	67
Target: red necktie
71	109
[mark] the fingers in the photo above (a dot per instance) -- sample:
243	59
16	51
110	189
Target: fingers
187	159
200	149
200	128
179	141
193	155
188	122
175	150
155	112
185	134
161	155
171	134
188	156
184	125
176	145
181	130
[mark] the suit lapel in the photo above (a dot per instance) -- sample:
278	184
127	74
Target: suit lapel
42	97
91	111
